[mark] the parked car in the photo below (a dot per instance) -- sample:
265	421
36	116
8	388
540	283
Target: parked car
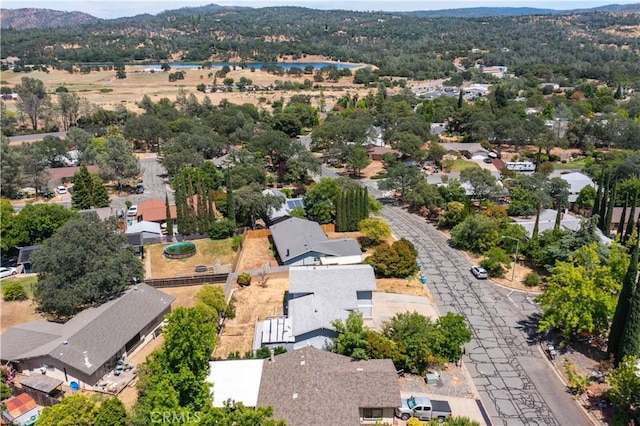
479	272
7	272
488	160
139	188
132	211
60	189
423	408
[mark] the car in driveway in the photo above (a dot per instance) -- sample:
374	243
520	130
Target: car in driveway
132	211
479	272
488	160
61	189
7	272
140	188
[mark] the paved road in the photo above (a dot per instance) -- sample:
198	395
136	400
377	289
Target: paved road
17	140
155	184
515	382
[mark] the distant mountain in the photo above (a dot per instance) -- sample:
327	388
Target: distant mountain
478	12
43	18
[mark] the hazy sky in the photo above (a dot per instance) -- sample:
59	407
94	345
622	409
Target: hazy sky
119	8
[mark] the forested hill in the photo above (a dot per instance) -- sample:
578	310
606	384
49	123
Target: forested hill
43	18
563	48
47	18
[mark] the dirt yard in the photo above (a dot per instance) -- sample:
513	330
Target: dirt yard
255	302
518	280
208	252
256	254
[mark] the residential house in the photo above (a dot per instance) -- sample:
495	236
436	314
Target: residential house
275	215
155	210
62	175
577	181
548	220
376	152
24	258
317	296
21	410
309	386
87	346
617	216
151	231
302	242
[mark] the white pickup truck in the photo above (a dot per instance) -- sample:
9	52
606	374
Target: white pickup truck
423	408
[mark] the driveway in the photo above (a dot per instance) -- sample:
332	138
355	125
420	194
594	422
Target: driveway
156	184
387	305
514	380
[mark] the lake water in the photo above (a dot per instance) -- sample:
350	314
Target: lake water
259	65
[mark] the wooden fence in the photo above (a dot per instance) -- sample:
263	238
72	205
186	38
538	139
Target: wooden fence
262	233
187	281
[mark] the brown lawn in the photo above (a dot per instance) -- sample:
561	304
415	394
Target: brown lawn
411	286
208	252
255	302
13	313
256	254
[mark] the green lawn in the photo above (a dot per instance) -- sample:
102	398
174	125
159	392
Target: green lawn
459	165
27	283
569	165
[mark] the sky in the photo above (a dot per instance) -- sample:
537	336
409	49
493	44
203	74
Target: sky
118	8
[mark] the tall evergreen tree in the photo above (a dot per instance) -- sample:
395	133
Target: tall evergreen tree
168	214
341	212
81	196
603	206
632	217
231	204
596	203
536	226
609	215
630	340
623	217
100	196
622	308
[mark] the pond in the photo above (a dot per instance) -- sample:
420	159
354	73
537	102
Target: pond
179	250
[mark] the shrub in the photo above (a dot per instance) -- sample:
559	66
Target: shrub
236	242
376	230
476	233
494	262
13	291
394	261
532	279
244	280
222	229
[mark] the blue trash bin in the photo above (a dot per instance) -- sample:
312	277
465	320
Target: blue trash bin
423	279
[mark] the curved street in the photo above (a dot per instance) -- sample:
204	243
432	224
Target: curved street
515	382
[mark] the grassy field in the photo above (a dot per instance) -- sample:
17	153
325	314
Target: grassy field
208	252
570	165
26	281
459	165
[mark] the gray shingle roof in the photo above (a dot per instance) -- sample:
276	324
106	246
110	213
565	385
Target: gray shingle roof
100	331
310	386
25	253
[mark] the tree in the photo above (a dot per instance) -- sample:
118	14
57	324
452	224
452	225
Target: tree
83	263
436	152
476	233
168	215
559	191
146	131
222	229
401	177
580	296
34	164
453	215
454	333
10	169
630	339
31	98
376	230
88	190
111	413
351	339
415	334
234	413
357	159
37	222
624	302
484	184
117	163
253	204
320	198
69	105
397	260
409	144
632	214
213	298
586	198
72	410
494	261
351	208
625	388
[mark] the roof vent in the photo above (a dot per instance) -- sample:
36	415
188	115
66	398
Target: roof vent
302	362
359	369
295	396
65	343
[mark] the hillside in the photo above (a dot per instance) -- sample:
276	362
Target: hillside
43	18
